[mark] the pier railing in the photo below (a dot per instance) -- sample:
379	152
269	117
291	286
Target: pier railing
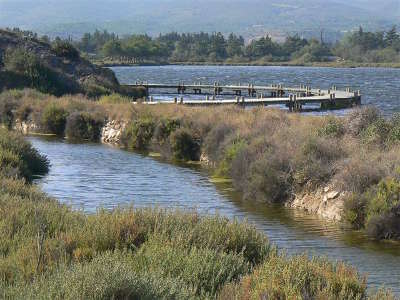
250	95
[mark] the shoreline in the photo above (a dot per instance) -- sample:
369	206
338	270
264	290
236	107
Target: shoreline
324	202
346	65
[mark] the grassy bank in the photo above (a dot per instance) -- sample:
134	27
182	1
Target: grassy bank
270	155
50	251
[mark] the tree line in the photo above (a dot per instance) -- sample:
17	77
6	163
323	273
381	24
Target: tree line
359	46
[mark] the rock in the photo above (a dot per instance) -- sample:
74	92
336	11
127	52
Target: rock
326	189
112	132
328	205
332	195
204	159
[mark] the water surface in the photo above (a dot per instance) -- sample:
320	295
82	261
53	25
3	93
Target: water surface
379	86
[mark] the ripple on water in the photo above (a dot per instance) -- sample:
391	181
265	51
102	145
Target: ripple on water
380	86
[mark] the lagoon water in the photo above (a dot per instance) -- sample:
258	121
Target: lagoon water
379	86
89	176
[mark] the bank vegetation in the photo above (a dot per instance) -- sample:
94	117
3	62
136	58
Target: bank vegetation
50	251
270	156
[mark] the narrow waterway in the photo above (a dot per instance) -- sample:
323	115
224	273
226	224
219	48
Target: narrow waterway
89	176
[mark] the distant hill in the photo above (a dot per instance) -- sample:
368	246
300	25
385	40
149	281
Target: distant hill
248	17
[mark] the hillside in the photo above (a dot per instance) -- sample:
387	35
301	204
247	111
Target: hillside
73	17
28	62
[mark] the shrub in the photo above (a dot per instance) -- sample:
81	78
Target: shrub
20	156
240	168
386	226
54	119
164	129
315	162
65	49
394	134
84	126
6	112
376	133
385	198
215	139
114	99
298	277
11	165
333	127
361	118
23	112
206	270
377	210
38	75
355	210
383	210
184	145
106	277
269	180
359	173
230	154
138	134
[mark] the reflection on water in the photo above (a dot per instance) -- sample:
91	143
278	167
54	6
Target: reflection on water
89	176
379	86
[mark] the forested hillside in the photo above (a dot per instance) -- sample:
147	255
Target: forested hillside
247	17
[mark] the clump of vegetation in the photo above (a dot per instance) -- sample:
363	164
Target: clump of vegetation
225	166
139	133
18	159
114	99
298	277
54	119
184	145
38	75
377	210
334	128
65	49
164	129
84	126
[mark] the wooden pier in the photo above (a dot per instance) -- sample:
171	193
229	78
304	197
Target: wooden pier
293	97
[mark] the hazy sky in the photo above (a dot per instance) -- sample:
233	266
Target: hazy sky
194	15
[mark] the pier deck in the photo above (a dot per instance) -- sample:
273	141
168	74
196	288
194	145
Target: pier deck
293	97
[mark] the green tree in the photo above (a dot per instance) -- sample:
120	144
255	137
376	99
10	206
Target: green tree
112	48
234	46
